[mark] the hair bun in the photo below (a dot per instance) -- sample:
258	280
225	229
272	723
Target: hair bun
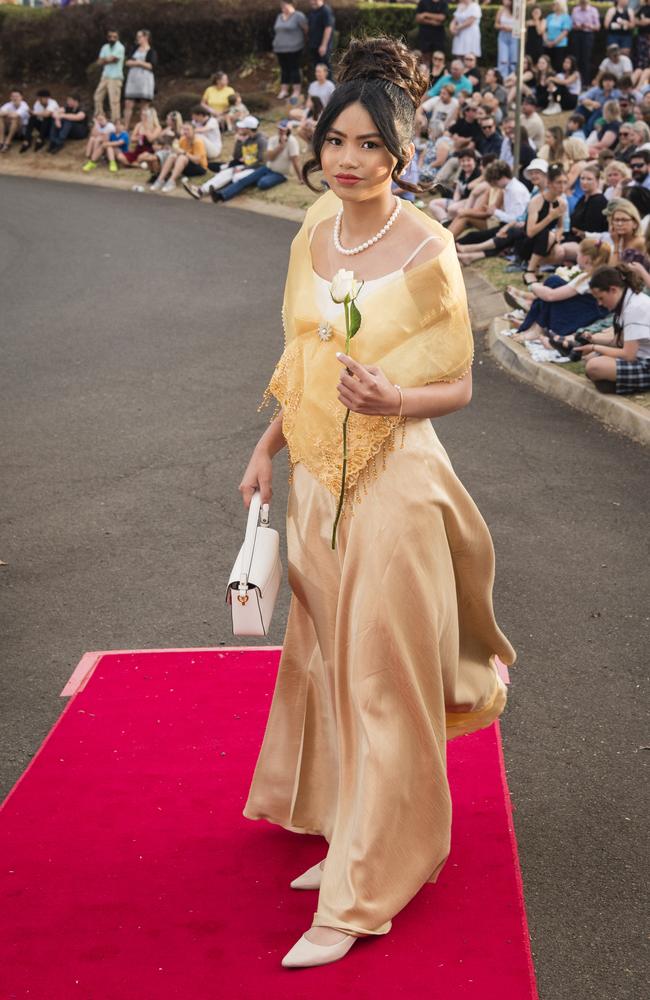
383	58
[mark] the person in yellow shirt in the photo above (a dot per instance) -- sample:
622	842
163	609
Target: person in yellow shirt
215	97
188	160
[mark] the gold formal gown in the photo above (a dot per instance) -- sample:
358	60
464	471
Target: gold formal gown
389	648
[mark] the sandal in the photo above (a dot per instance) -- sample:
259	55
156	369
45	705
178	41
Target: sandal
529	278
560	345
515	300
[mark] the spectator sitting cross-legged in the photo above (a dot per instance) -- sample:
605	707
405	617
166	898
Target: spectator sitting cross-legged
619	363
99	135
249	154
483	199
190	160
111	59
143	136
512	207
40	121
118	142
68	122
14	119
444	209
282	159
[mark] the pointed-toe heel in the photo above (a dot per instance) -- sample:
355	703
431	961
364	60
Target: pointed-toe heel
310	879
306	954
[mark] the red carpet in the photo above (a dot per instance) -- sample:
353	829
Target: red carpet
129	872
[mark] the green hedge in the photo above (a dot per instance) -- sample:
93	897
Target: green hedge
192	37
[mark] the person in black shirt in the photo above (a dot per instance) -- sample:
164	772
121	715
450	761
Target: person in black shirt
471	71
588	215
643	36
430	17
438	67
320	34
491	139
466	131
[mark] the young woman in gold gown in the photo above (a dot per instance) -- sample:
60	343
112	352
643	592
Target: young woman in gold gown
391	640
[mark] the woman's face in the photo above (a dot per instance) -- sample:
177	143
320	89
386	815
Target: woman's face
537	178
355	161
583	262
489	77
566	66
467	164
543	63
141	38
588	182
557	187
321	73
607	297
549	138
623	225
613	177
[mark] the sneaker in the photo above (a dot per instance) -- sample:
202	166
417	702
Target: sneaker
168	187
216	196
192	189
89	165
553	109
156	186
24	147
112	166
4	148
39	144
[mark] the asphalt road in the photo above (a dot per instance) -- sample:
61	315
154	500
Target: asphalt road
136	336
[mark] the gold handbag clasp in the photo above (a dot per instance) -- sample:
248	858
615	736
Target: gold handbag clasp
242	598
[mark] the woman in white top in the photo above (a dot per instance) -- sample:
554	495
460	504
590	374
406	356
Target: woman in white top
140	83
465	27
507	44
620	363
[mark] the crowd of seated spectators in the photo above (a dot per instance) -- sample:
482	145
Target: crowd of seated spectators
572	216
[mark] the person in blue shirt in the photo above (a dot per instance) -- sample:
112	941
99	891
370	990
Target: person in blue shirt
591	103
556	34
118	142
456	77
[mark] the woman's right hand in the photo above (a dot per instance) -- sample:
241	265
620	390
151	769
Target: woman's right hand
258	476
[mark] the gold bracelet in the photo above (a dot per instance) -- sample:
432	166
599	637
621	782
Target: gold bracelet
401	401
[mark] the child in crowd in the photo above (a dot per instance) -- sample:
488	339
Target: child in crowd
118	142
40	121
236	110
99	135
14	119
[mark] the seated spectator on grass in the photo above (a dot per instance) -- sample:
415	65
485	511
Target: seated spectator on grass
553	149
444	209
513	203
624	235
282	159
545	222
588	214
436	114
560	306
143	136
466	131
118	142
68	122
304	119
14	120
575	127
236	110
627	143
605	135
190	160
215	97
615	63
456	78
321	86
438	68
207	128
533	121
507	151
471	70
637	188
140	83
619	363
99	134
40	121
493	85
483	200
433	155
615	175
592	101
163	146
249	154
576	158
491	138
528	81
173	126
563	88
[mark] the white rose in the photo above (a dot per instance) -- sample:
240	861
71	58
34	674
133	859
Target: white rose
344	286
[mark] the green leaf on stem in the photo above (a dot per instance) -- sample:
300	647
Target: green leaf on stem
355	319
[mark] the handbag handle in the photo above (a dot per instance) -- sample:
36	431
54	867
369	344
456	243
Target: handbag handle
257	514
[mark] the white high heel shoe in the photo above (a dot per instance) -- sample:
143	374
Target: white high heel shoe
305	954
310	879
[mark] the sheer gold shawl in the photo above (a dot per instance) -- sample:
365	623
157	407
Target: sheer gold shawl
415	327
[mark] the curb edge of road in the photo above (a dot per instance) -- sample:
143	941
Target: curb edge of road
624	416
487	307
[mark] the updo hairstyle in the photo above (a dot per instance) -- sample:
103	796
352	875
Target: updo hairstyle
384	76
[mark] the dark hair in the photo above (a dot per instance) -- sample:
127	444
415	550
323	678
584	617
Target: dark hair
555	170
573	61
487	159
577	119
642	154
619	276
384	77
497	171
466	151
112	31
75	97
198	110
608	76
219	73
626	81
498	76
43	93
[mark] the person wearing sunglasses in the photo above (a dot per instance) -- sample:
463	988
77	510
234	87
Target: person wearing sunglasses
491	139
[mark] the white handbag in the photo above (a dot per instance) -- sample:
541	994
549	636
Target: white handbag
255	577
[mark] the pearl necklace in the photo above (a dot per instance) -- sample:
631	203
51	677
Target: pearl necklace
368	243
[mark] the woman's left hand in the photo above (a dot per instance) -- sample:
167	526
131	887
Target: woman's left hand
365	389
